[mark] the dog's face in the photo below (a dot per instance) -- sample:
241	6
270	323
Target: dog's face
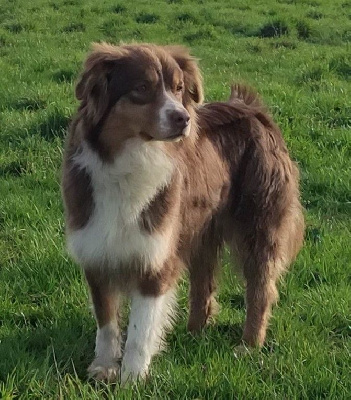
138	91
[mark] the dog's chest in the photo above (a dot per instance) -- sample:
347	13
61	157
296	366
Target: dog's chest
113	235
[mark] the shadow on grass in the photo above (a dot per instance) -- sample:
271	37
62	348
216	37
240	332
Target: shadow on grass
186	17
14	168
337	204
74	27
66	347
18	27
230	333
3	41
119	9
202	33
28	104
64	75
341	66
237	301
273	29
54	125
147	18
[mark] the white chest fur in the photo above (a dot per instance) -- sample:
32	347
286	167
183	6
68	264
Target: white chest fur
121	191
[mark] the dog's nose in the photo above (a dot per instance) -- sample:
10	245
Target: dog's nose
180	119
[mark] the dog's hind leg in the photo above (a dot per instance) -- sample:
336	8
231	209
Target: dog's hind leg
261	265
265	254
261	294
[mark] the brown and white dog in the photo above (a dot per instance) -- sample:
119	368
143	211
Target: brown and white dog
154	183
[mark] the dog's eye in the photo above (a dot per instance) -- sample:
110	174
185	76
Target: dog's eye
141	88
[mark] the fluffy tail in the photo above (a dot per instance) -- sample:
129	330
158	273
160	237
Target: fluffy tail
248	96
243	103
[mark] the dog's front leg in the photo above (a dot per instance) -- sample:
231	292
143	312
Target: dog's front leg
149	317
106	304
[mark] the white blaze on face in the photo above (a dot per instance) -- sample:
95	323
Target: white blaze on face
166	124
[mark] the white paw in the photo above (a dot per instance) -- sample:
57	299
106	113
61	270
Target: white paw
133	372
104	371
128	377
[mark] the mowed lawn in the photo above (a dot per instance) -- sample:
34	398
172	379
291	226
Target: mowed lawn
297	53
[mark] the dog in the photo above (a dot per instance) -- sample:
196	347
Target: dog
155	183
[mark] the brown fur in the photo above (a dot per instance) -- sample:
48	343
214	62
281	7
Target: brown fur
235	182
77	188
103	296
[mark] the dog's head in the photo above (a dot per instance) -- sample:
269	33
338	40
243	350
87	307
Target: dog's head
142	91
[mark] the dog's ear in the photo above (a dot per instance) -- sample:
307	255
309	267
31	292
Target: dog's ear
92	87
192	74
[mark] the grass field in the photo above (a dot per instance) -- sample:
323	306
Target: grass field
297	53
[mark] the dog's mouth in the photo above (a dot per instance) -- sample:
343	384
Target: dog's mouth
171	138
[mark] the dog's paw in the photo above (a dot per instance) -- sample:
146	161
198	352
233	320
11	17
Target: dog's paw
132	376
104	371
133	372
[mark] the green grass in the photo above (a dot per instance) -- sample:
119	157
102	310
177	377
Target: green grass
297	53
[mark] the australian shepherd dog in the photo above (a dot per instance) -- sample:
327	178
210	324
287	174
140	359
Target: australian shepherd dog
155	183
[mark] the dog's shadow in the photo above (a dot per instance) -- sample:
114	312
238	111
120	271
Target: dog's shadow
62	346
66	346
185	347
